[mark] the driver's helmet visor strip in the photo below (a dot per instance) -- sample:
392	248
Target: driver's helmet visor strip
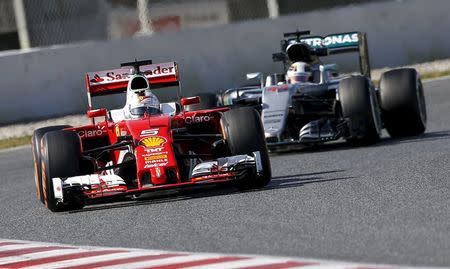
141	111
149	105
300	77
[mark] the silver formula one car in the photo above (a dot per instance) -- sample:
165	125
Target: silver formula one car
312	103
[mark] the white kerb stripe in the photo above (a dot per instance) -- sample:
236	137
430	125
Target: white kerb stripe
39	255
189	258
242	263
93	259
326	266
9	241
22	246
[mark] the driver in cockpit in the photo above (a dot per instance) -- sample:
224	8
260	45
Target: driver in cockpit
299	72
140	99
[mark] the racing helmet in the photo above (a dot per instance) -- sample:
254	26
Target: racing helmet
299	72
140	99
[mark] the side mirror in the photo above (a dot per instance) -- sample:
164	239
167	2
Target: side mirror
275	79
170	108
185	101
93	113
256	75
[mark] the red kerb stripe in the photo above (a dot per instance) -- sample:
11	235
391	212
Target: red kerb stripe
198	263
60	258
124	261
9	243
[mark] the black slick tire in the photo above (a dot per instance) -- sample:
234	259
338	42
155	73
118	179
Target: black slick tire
360	109
402	102
244	134
36	150
61	156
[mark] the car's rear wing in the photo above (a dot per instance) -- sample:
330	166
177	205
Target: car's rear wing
113	81
329	45
116	80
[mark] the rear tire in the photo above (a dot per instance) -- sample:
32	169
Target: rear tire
360	108
36	150
402	102
244	134
61	157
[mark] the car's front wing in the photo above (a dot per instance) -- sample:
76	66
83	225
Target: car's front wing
95	186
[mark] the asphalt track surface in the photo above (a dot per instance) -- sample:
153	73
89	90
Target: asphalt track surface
388	203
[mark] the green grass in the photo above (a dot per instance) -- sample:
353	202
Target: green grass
435	74
423	76
15	141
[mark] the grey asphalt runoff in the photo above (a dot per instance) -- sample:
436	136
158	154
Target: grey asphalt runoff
387	203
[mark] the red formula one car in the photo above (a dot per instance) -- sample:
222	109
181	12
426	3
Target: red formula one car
146	148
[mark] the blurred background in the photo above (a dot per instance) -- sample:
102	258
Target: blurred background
46	47
36	23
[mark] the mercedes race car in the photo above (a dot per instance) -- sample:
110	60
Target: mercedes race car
151	149
325	105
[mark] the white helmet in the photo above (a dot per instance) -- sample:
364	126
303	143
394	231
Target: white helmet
299	72
140	99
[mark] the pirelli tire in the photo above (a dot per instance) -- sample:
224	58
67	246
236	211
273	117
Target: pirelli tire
359	106
244	134
36	150
61	158
207	101
402	102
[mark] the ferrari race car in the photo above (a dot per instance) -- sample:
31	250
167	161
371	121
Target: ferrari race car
155	149
329	106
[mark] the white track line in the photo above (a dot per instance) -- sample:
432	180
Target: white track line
21	247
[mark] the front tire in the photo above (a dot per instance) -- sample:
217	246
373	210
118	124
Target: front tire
61	157
36	150
244	134
402	102
360	109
